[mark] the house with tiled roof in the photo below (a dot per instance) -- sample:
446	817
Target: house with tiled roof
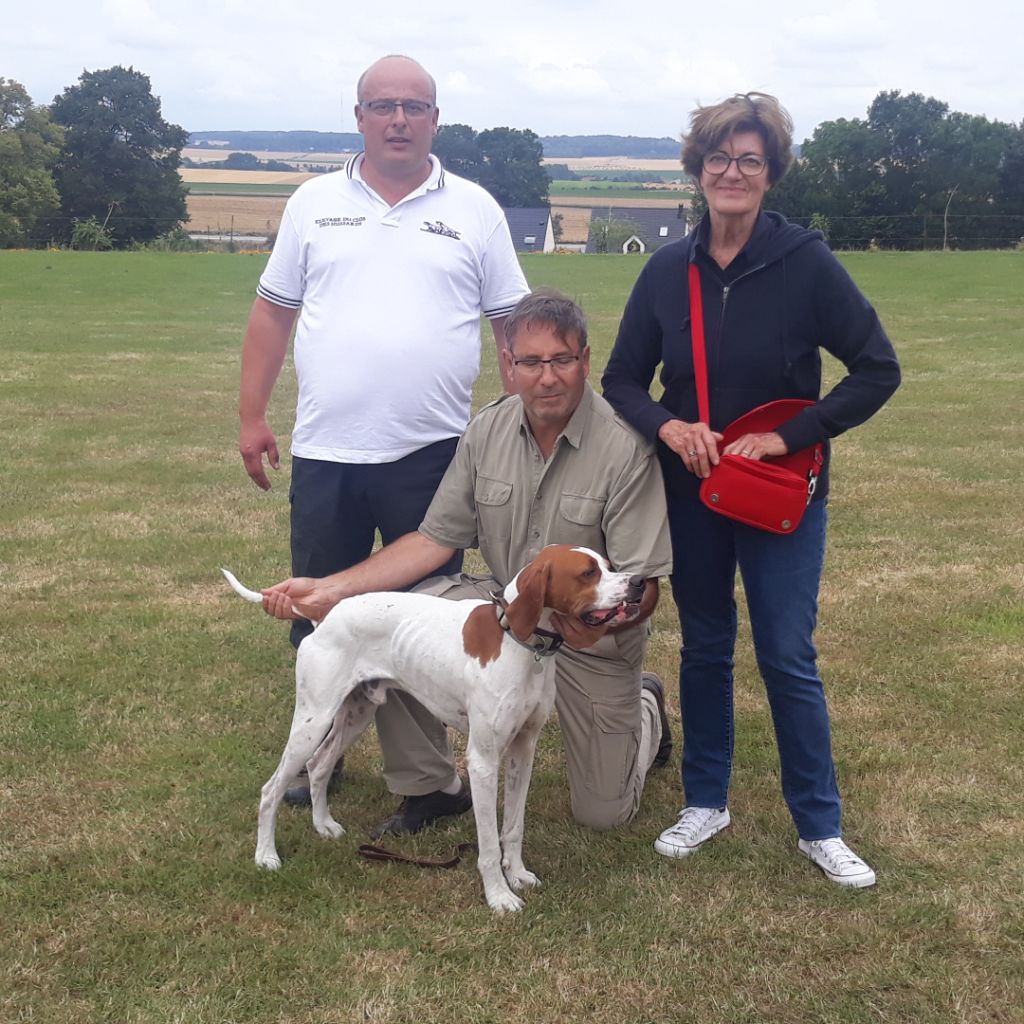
531	228
653	228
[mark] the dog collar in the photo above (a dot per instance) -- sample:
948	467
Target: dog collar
541	642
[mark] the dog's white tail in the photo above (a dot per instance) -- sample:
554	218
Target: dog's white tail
255	596
244	592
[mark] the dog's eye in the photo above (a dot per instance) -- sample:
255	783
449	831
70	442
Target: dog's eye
590	574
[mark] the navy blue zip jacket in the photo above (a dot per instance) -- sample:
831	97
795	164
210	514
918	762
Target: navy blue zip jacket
765	317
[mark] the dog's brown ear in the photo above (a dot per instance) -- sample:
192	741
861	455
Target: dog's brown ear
523	613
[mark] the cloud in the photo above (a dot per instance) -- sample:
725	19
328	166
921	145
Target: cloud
851	27
565	82
455	83
134	23
568	68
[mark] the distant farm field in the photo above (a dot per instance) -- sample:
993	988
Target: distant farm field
318	159
232	188
251	202
582	164
143	706
616	190
241	214
195	175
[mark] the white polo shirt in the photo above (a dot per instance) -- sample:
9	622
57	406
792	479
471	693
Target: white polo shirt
387	345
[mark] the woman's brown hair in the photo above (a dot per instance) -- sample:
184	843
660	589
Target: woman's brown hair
744	112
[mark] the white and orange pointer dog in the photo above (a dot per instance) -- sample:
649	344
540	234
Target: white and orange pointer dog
476	666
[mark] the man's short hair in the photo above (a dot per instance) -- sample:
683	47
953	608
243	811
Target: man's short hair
399	56
548	307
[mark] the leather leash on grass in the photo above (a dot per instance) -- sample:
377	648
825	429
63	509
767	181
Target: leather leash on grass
371	852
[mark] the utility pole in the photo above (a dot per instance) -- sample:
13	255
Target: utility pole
945	220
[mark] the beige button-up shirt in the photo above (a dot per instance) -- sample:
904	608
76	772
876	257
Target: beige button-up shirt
601	488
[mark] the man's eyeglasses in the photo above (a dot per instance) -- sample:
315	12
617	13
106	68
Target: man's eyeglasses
534	366
385	108
750	164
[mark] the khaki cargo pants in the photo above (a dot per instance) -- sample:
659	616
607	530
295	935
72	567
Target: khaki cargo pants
610	736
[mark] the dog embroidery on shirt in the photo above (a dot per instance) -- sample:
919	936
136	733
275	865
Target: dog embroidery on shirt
439	227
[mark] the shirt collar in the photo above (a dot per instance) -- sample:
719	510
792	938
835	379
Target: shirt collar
354	170
578	422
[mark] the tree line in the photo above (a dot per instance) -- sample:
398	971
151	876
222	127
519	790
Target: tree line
640	147
99	168
913	174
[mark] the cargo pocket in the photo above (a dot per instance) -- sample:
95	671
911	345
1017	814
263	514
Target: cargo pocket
611	761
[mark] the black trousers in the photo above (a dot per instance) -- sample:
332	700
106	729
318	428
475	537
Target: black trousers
336	509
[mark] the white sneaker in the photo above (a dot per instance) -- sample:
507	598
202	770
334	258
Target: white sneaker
840	864
696	825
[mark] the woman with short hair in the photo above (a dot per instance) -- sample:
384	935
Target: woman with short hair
773	295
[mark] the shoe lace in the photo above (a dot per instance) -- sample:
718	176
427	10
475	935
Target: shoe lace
838	854
691	822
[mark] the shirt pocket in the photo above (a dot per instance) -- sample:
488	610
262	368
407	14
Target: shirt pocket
581	509
493	499
579	521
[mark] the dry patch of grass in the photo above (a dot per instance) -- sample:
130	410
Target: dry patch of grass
248	215
221	177
575	221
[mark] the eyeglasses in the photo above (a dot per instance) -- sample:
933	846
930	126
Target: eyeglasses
385	108
534	367
750	164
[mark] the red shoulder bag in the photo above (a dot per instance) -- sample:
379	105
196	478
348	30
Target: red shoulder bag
770	494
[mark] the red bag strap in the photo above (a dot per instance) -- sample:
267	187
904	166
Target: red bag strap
700	370
700	359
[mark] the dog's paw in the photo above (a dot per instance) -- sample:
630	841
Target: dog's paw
269	860
506	902
522	879
329	829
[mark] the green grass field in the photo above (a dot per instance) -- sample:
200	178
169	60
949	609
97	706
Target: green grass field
143	706
616	190
237	188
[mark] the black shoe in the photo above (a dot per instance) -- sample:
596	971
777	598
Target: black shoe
417	812
298	795
649	681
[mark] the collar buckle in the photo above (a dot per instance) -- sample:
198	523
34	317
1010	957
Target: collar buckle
542	643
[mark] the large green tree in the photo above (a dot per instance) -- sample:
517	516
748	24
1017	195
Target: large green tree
458	149
120	159
1011	172
513	171
505	161
913	174
29	145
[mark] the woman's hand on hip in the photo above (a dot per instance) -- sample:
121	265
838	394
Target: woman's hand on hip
757	446
695	443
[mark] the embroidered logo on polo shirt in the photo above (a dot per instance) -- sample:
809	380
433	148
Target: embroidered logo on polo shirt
339	222
438	227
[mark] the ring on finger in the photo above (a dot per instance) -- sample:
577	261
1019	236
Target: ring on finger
692	452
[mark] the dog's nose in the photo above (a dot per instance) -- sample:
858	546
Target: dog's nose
635	589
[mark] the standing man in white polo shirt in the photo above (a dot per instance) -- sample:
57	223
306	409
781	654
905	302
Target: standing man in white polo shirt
387	266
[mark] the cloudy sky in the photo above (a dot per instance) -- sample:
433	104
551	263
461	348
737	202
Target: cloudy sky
558	67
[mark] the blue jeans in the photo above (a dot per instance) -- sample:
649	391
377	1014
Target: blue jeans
781	574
